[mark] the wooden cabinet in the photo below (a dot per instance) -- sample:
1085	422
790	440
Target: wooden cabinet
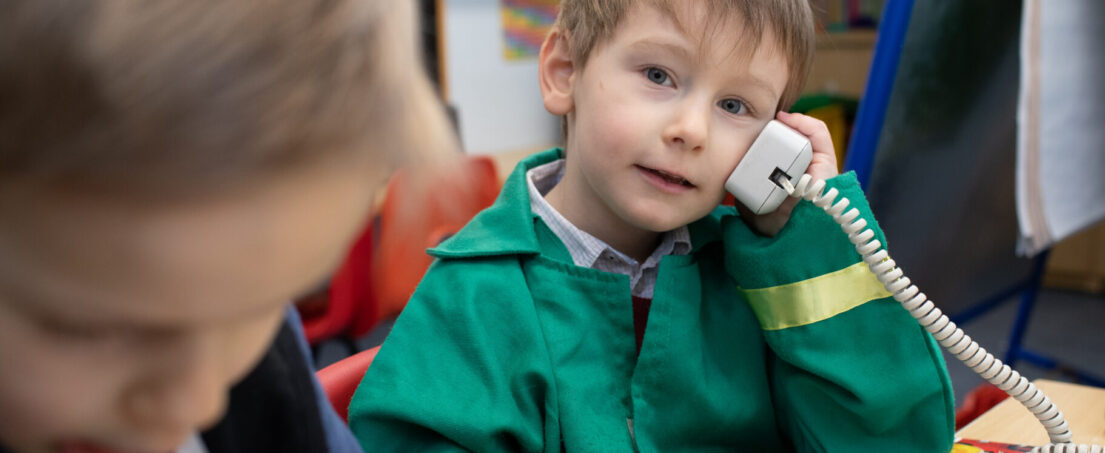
1078	262
841	62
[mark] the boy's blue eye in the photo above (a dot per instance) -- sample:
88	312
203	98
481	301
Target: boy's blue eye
656	75
732	106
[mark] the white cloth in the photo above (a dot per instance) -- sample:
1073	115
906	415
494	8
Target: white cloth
592	252
1060	117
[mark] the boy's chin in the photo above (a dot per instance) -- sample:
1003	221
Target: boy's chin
663	224
667	218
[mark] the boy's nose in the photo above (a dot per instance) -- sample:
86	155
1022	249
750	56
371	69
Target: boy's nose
688	128
184	393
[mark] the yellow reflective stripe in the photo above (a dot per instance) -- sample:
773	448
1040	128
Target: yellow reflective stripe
809	301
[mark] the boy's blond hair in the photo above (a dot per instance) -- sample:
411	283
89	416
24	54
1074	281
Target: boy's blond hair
588	23
183	96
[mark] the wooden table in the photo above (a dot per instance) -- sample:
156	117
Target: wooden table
1010	422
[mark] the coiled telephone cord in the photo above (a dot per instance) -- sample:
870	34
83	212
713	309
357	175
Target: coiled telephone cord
933	320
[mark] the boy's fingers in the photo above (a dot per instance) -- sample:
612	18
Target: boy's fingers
813	128
824	164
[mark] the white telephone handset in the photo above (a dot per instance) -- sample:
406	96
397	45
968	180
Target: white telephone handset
759	183
778	149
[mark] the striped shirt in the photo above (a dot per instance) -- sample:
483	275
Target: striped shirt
592	252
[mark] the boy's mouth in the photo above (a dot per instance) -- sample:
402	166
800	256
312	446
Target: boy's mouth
669	177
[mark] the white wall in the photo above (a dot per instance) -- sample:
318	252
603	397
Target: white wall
498	102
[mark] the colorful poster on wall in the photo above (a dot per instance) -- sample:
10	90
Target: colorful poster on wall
525	23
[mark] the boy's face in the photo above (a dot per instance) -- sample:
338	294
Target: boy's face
658	118
123	324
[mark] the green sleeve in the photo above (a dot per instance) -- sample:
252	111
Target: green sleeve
449	376
851	369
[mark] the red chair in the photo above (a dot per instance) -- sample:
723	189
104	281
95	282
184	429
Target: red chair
401	258
340	379
977	402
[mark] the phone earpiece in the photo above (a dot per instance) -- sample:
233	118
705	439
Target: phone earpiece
778	149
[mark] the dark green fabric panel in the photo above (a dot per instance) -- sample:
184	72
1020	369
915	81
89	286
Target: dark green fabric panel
705	379
450	366
870	379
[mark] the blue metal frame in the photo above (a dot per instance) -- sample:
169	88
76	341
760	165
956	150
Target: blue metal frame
876	95
990	303
1024	310
1017	351
1043	361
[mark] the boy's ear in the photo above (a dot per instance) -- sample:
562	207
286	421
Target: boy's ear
555	73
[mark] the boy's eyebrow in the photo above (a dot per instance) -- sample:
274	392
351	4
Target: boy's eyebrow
758	83
651	45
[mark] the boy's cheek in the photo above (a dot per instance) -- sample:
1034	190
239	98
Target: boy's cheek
612	136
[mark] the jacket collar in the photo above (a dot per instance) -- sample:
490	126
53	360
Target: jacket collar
507	226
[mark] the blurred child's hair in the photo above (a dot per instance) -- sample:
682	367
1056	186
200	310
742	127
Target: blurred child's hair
588	23
188	95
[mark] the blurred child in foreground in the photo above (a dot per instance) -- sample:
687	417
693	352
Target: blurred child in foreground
172	174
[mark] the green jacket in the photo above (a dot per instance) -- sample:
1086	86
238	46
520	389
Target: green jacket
508	346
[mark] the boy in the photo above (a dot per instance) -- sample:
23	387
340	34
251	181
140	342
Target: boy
521	336
172	173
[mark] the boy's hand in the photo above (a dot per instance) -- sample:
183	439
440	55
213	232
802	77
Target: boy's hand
822	166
